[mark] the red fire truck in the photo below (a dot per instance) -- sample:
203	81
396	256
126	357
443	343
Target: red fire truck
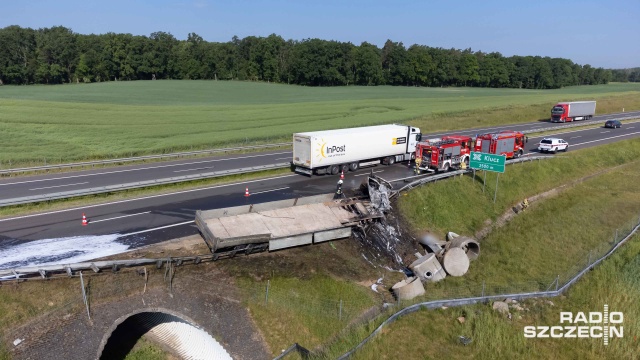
509	143
443	154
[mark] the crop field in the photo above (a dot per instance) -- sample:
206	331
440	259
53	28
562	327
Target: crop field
61	123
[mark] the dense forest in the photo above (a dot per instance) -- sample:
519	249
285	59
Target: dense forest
58	55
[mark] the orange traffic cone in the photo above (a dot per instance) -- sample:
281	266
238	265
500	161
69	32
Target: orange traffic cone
342	175
246	192
84	220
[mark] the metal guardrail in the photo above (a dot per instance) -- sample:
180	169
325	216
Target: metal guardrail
138	184
578	123
138	158
436	177
68	270
212	151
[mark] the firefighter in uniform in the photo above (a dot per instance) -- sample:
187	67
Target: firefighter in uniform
417	168
339	191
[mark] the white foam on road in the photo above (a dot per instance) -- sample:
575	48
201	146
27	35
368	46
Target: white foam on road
57	251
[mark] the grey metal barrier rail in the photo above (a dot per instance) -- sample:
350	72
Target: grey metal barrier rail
424	180
252	147
139	158
579	123
139	184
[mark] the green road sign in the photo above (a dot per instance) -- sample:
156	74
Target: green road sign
488	162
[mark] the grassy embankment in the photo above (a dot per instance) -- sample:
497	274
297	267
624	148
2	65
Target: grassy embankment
550	238
108	120
576	221
434	334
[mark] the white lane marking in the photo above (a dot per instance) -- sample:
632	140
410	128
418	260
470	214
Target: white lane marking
566	132
630	127
117	217
266	191
147	197
611	137
202	168
514	126
158	228
575	137
147	168
287	158
51	187
604	132
369	173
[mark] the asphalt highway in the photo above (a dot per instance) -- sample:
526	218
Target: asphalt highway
78	180
59	235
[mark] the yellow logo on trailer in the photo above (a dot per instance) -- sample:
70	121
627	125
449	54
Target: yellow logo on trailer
394	141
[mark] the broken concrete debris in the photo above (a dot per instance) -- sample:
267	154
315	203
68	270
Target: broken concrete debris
501	307
455	262
427	268
450	257
408	289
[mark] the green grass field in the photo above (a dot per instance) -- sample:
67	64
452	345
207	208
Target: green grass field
433	334
554	236
90	121
576	221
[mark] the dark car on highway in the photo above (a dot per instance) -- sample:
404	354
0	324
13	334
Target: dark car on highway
613	124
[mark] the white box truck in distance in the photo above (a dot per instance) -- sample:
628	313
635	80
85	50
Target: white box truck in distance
333	151
575	110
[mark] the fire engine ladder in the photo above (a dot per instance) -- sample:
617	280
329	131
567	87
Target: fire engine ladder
443	142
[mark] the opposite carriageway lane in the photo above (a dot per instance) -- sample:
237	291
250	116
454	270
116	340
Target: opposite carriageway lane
76	182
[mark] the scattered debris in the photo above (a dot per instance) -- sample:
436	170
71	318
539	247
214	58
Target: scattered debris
461	319
455	262
374	286
427	268
501	307
549	302
465	340
379	191
470	246
408	289
17	342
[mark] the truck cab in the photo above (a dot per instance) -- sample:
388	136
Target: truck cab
559	113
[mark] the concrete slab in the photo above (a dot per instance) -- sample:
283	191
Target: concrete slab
292	241
283	223
327	235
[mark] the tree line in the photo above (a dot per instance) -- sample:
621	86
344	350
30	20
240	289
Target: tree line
58	55
626	75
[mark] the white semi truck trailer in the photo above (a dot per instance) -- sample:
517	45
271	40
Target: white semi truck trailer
574	110
333	151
